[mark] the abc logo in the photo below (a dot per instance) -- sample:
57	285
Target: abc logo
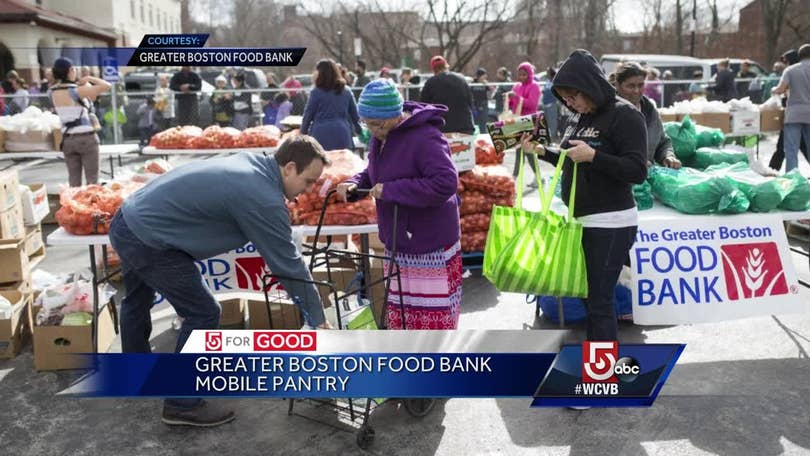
626	369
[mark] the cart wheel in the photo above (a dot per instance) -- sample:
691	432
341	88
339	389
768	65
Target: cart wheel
365	437
419	407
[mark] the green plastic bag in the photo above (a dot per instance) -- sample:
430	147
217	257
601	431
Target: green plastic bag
695	192
506	221
764	193
708	137
545	256
799	198
708	156
643	196
683	136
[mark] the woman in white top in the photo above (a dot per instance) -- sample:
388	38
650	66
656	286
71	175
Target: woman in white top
72	101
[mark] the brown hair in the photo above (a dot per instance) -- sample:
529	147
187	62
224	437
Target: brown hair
627	70
329	77
301	150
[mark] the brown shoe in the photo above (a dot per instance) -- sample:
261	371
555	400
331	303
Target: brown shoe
206	414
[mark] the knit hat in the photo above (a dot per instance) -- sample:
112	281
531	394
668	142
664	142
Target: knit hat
380	99
62	63
437	61
480	72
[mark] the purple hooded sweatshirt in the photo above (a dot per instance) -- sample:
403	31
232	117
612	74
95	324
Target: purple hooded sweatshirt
417	173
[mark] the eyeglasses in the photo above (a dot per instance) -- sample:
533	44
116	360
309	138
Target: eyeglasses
570	98
373	124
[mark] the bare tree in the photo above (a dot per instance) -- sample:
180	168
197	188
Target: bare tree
773	16
251	20
455	29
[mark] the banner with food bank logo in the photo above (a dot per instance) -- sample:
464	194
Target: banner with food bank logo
240	270
704	269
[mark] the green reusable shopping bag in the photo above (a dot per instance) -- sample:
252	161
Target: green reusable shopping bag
505	221
545	256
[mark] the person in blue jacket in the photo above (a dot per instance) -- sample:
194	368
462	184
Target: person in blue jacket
331	113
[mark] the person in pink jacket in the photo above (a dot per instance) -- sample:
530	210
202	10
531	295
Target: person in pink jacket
528	91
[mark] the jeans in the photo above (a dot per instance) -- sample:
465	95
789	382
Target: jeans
173	274
794	133
550	112
605	252
778	156
481	119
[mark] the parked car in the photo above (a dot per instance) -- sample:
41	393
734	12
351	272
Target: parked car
682	67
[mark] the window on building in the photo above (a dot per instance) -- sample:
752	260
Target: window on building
143	16
151	17
132	8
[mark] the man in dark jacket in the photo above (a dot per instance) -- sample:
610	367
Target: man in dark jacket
480	93
724	85
451	90
187	83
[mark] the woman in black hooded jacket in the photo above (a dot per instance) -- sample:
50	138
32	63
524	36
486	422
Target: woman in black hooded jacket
607	137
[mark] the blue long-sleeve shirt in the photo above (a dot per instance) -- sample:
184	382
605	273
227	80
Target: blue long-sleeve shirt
331	118
210	207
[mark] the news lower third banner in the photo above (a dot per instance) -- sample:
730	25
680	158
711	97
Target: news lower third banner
400	364
180	50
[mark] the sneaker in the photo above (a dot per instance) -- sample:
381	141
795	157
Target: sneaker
579	407
207	414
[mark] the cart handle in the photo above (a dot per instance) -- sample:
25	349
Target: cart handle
356	191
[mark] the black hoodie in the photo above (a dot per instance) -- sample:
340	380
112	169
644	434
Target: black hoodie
616	130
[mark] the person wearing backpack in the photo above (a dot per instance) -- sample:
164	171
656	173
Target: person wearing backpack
72	100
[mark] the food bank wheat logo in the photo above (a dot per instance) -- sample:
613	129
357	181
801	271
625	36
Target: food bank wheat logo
753	270
250	272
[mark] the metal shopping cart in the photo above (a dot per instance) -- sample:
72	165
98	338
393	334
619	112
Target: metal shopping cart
324	255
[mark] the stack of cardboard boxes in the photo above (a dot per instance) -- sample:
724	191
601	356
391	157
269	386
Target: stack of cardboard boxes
21	249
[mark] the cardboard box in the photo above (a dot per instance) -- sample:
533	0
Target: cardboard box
14	265
2	140
233	313
506	134
720	120
23	286
30	141
285	315
771	120
341	278
53	206
57	347
9	190
11	223
57	138
462	150
34	244
666	117
13	329
34	203
745	122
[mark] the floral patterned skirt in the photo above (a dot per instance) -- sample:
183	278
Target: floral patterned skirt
430	290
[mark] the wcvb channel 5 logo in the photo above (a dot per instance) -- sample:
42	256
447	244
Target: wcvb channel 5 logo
601	364
753	270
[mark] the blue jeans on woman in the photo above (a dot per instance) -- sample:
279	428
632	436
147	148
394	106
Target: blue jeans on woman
172	273
605	253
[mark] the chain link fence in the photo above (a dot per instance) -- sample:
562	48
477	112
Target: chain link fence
152	109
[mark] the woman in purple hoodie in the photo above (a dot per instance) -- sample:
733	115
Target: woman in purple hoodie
409	165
